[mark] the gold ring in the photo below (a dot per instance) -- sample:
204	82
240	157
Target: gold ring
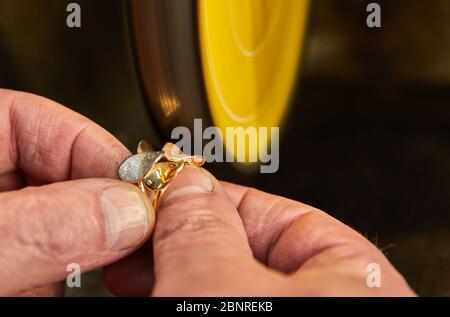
153	170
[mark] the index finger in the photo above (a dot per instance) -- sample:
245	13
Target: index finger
51	143
284	233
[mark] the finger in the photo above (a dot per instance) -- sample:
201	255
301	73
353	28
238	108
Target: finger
132	275
356	254
267	219
199	239
11	180
118	275
44	142
322	251
284	233
51	143
89	222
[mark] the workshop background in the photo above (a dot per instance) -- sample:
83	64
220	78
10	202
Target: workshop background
368	131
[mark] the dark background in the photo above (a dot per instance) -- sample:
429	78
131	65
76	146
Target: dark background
368	133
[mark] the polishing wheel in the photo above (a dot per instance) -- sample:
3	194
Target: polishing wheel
232	63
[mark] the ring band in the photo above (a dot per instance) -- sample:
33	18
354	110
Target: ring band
153	170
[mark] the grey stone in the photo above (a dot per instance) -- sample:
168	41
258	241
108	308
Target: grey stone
135	167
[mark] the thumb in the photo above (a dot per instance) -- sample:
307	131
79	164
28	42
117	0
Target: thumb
89	222
199	239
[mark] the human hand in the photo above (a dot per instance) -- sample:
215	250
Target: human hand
212	238
219	239
82	217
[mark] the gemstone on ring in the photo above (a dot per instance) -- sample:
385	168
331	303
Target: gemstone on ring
137	166
153	170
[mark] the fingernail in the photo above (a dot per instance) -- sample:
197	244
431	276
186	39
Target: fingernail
192	180
127	215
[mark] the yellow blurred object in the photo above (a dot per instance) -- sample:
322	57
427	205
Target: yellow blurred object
250	52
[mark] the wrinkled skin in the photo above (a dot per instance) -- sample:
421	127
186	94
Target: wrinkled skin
211	238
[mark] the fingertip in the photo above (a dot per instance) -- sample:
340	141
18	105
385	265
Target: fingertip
191	181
